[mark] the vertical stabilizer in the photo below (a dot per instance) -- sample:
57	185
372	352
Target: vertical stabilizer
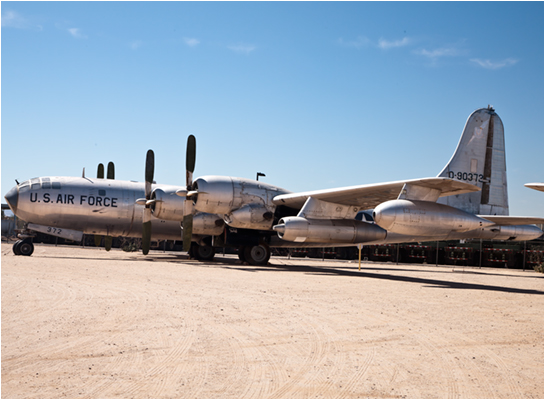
479	159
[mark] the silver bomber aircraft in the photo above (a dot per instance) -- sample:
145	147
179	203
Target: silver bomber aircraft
468	199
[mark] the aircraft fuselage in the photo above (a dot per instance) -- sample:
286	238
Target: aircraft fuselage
92	206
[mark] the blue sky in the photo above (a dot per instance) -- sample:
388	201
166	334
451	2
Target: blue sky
314	95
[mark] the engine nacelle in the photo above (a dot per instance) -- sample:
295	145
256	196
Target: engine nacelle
509	232
168	205
251	216
207	224
244	202
413	217
298	229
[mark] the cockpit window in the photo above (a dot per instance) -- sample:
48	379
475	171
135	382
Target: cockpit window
24	186
46	183
56	185
35	183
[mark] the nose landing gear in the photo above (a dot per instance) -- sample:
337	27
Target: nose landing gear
23	247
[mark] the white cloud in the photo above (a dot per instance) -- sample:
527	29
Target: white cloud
242	48
386	44
191	42
441	52
12	19
76	33
359	42
494	65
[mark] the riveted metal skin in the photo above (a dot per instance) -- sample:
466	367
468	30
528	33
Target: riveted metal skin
299	229
413	217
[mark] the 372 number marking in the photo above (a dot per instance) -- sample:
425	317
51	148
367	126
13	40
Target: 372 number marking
54	231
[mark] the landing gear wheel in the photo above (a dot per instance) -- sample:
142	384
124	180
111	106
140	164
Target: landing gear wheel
257	255
16	247
202	253
26	248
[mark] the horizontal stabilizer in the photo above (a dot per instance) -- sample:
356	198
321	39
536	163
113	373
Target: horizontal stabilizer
504	220
370	196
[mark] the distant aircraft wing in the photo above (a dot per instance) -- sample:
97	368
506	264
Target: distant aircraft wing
535	186
512	220
369	196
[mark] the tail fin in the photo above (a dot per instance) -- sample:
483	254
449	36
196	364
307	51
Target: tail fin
479	159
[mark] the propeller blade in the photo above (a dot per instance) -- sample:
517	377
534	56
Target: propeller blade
111	171
108	240
146	231
188	231
100	171
98	240
190	157
100	175
150	166
146	216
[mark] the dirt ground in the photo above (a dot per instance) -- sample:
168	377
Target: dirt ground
85	323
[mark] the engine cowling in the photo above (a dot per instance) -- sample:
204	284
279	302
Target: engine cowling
244	202
298	229
413	217
167	205
251	216
207	224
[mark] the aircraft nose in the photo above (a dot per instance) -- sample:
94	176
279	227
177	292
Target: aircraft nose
12	198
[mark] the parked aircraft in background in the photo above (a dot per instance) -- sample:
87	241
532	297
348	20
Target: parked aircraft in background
467	200
535	186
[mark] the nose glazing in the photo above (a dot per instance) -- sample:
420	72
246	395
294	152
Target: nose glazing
12	198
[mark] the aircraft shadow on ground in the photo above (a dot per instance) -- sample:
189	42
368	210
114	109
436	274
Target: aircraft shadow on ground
434	283
235	263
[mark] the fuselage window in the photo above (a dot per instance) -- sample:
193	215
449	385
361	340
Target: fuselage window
101	192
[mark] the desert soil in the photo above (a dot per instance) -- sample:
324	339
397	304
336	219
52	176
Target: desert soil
86	323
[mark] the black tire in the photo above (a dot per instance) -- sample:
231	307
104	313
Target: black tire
16	247
203	253
257	255
26	248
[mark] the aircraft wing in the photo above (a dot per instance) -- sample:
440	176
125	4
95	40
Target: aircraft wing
512	220
535	186
369	196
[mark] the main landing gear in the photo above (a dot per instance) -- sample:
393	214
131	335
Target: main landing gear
23	247
202	252
253	255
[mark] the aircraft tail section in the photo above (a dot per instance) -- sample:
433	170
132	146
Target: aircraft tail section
479	159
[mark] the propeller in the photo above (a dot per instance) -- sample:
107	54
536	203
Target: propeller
190	157
146	217
100	171
110	174
111	171
100	175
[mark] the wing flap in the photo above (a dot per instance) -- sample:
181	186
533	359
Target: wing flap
371	195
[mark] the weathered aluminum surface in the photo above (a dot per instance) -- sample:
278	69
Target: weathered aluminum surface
371	195
299	229
412	217
92	206
479	159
